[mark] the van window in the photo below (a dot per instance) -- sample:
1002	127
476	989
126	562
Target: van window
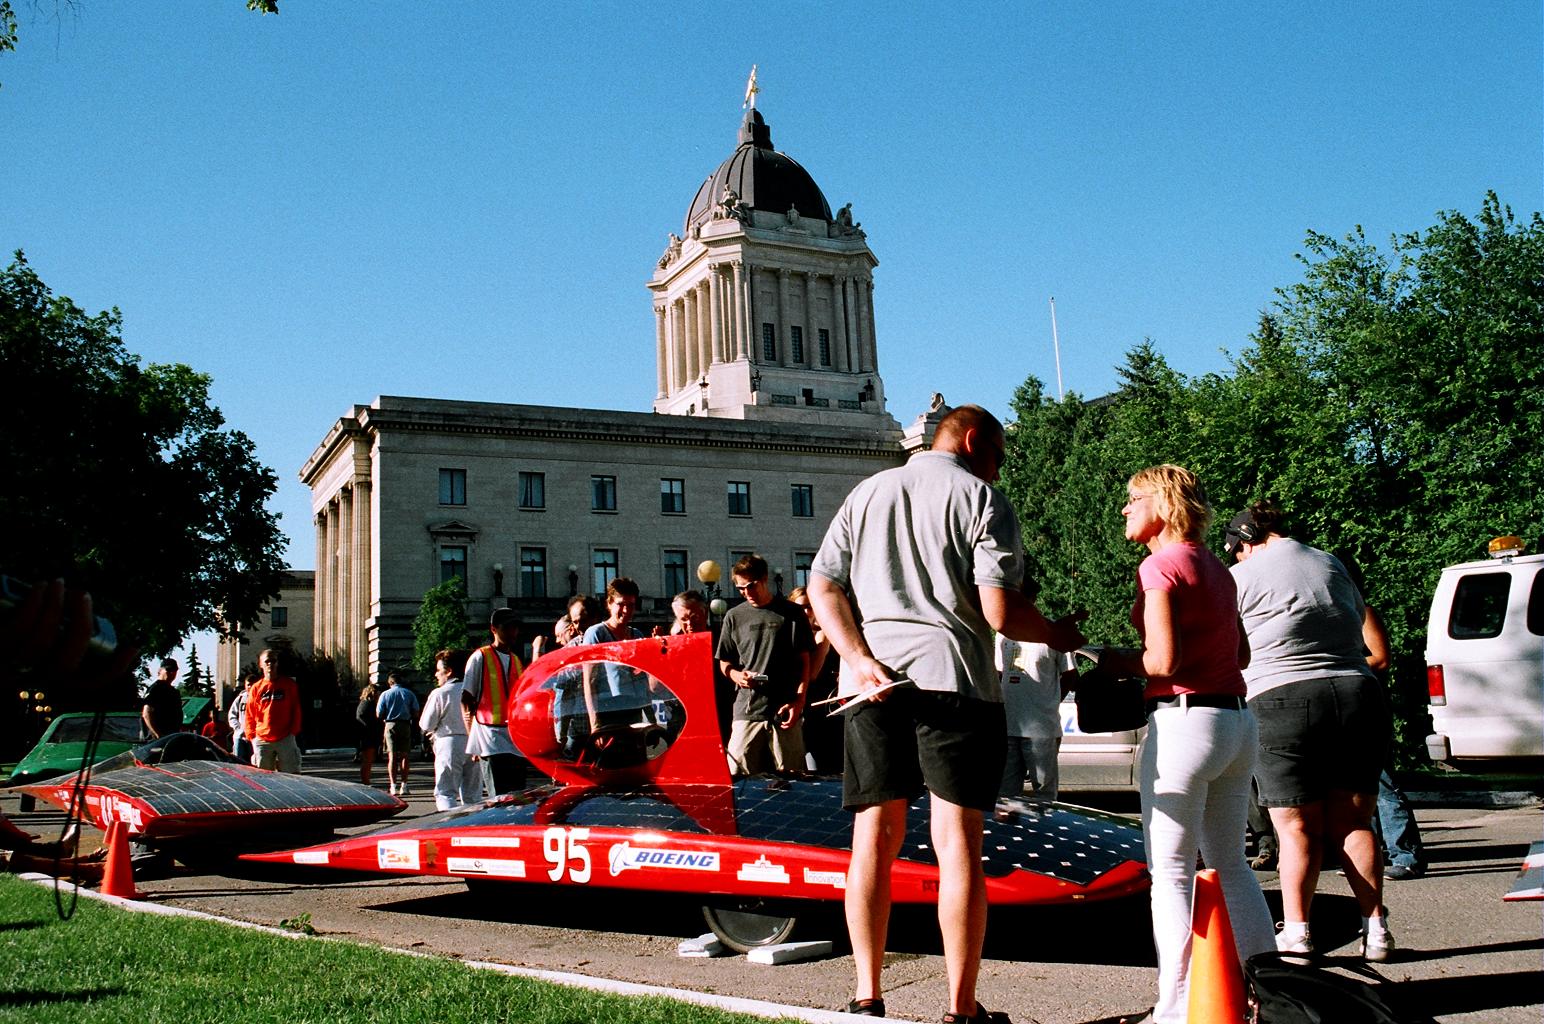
1479	606
1536	605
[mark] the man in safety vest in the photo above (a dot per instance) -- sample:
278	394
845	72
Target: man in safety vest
491	675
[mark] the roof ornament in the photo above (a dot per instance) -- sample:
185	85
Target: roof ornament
751	89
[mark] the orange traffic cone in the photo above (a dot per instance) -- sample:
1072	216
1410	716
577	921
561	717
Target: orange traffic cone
1216	979
118	878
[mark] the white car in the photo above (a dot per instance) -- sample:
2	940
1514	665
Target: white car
1096	761
1485	657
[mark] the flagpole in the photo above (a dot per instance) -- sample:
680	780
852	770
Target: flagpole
1056	343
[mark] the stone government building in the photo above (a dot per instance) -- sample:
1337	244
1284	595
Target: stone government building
769	409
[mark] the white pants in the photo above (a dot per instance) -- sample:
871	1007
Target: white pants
456	777
1195	770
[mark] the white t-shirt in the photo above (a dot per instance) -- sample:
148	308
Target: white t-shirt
1031	681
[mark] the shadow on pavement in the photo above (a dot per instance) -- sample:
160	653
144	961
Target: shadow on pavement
1473	993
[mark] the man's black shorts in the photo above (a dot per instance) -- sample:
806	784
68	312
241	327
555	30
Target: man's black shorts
951	745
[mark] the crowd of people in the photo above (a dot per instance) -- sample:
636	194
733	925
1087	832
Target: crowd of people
1259	686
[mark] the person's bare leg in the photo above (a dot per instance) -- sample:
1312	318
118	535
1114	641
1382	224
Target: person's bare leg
877	832
1348	828
1300	834
366	762
961	898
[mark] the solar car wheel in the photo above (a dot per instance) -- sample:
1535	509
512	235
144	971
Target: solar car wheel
29	803
745	924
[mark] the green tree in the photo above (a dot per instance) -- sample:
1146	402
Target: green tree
120	478
441	622
196	680
1391	401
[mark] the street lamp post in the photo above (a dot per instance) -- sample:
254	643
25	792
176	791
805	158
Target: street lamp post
708	574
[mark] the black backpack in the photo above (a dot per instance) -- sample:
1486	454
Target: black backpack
1282	990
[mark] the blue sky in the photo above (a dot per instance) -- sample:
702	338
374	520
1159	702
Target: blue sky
465	200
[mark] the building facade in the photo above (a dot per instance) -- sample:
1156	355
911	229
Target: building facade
769	409
287	622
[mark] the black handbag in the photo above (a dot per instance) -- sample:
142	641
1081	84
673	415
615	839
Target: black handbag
1281	991
1109	703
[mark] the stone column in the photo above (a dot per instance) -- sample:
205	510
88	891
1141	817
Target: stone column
693	350
811	332
677	347
742	314
704	325
329	557
872	358
360	599
716	310
319	616
661	353
785	336
343	634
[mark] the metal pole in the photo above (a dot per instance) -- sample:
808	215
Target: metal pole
1056	343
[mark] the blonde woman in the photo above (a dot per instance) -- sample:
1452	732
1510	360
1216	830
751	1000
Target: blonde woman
1201	737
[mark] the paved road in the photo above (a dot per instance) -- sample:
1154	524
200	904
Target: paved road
1466	957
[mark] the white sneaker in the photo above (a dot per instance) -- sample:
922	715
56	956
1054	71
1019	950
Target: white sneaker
1301	945
403	790
1377	944
395	789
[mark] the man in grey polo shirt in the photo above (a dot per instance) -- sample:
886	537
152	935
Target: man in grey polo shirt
928	556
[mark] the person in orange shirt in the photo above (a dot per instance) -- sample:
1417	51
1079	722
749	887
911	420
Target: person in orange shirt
273	717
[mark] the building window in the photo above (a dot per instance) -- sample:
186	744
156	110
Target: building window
452	487
603	565
533	572
825	347
675	572
739	498
803	501
278	618
796	343
768	343
533	490
603	494
672	498
452	563
802	560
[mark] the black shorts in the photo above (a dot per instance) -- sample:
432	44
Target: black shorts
1321	735
950	745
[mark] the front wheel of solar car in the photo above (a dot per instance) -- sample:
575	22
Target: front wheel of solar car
744	924
28	803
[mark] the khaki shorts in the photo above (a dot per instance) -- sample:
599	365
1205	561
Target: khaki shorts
758	747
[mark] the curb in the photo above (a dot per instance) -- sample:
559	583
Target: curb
732	1004
1473	798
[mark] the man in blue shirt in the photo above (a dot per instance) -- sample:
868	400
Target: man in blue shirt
397	709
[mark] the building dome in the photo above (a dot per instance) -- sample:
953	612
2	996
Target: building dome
763	178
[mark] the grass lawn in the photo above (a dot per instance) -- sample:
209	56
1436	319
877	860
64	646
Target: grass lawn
118	967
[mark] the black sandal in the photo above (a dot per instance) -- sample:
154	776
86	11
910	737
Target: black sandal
867	1007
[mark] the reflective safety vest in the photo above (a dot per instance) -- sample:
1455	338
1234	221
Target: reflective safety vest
495	685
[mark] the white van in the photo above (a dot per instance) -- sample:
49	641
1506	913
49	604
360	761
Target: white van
1485	657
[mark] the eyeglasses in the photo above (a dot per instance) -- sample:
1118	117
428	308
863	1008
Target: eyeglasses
1133	499
743	587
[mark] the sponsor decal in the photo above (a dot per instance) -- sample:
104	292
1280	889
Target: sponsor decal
311	857
486	842
763	870
836	879
485	866
930	885
113	809
397	854
625	858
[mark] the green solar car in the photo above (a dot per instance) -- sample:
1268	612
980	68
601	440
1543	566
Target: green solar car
63	745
